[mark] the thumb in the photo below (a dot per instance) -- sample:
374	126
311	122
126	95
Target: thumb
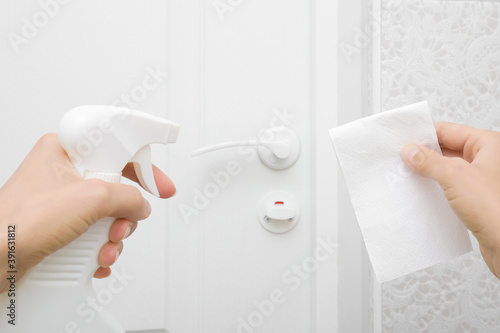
428	163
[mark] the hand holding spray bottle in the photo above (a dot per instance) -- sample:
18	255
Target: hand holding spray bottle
100	141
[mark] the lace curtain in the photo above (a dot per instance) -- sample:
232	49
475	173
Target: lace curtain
446	52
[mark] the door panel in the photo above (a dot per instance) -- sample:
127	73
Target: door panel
246	72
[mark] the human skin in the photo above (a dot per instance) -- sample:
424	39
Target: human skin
469	174
51	209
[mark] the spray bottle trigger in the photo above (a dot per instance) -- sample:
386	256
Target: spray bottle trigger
144	170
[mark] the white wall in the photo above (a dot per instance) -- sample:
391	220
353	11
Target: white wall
88	53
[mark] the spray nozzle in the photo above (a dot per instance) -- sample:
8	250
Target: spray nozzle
106	138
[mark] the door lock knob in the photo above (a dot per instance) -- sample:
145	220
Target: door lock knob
278	212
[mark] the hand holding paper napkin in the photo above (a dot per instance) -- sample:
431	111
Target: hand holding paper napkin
405	219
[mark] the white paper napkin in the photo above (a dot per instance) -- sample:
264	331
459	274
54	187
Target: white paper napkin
406	221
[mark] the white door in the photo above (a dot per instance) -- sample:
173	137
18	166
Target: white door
225	70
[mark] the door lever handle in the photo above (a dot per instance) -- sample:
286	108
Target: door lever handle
278	148
279	151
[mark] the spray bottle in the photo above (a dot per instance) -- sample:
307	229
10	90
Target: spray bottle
53	297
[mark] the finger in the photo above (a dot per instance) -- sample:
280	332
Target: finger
110	199
165	186
460	138
121	229
429	163
452	153
102	272
453	136
109	254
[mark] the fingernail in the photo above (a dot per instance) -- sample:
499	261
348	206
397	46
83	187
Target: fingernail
109	274
148	207
127	233
117	255
409	153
